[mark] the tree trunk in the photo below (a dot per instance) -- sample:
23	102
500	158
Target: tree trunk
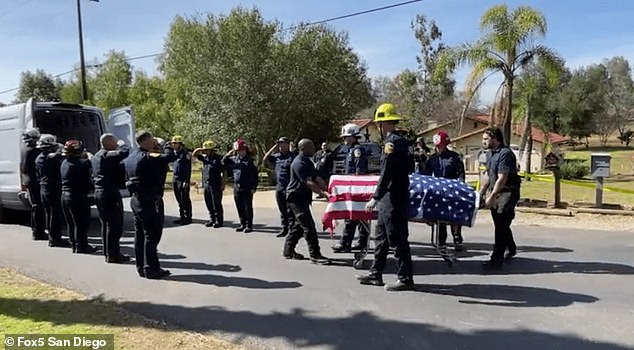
508	111
529	149
525	132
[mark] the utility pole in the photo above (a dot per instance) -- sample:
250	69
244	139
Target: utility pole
82	65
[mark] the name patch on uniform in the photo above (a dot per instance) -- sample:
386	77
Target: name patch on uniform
388	148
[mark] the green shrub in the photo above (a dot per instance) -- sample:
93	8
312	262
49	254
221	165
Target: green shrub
574	169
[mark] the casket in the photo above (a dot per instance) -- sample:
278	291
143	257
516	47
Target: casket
431	199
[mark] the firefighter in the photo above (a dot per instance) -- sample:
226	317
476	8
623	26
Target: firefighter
182	170
392	198
245	182
281	157
356	163
213	175
29	179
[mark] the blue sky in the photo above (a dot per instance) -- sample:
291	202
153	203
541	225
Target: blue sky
43	33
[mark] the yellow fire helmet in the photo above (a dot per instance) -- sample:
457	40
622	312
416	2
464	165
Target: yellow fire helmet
177	139
386	113
208	144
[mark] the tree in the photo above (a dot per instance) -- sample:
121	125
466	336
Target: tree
581	101
620	96
238	77
154	110
112	81
507	46
38	85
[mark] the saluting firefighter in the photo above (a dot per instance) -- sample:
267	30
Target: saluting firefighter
29	178
280	156
392	198
182	170
245	182
446	163
144	172
47	167
76	185
108	176
213	181
356	163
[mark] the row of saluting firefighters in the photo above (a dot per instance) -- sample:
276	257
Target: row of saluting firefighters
60	178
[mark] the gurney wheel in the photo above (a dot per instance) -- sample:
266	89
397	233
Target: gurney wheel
359	258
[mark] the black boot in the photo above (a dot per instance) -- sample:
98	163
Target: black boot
372	279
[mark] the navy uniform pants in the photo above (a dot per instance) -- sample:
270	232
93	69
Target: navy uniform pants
213	201
148	225
303	226
348	233
52	203
286	214
76	210
181	192
244	205
392	231
38	216
110	208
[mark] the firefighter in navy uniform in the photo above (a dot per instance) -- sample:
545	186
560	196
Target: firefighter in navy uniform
213	176
392	197
446	163
76	177
47	168
245	182
144	169
29	179
108	175
421	154
182	169
356	163
303	182
281	160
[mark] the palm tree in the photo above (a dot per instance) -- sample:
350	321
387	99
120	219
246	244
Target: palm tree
506	46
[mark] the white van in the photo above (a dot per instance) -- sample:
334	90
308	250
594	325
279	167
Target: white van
66	121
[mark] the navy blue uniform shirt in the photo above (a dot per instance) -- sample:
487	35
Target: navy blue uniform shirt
502	160
445	164
76	176
182	166
212	169
395	167
354	165
47	167
302	169
107	168
29	154
145	171
245	174
282	162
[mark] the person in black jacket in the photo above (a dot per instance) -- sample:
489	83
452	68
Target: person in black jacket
145	170
108	175
446	163
29	179
47	168
213	181
245	182
76	185
182	169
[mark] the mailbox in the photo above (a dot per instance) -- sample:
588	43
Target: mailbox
553	161
600	164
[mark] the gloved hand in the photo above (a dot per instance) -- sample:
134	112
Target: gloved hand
370	205
120	143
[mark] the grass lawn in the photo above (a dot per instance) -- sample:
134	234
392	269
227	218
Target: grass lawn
32	307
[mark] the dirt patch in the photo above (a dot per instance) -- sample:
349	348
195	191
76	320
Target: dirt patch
582	221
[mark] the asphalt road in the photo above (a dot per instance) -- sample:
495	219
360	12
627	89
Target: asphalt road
567	289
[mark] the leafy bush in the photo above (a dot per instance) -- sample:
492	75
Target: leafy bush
574	169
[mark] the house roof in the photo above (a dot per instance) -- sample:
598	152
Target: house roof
439	126
469	134
539	136
362	123
482	118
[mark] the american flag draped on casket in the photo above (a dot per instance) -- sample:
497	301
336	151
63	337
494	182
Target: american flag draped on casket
430	199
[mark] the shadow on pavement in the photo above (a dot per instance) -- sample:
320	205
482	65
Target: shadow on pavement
243	282
300	329
200	266
505	295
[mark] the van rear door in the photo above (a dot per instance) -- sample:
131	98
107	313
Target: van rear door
121	124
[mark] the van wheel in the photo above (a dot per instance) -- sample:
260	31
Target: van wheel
3	215
8	216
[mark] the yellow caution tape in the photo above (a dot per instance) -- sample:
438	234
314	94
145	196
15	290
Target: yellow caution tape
551	179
